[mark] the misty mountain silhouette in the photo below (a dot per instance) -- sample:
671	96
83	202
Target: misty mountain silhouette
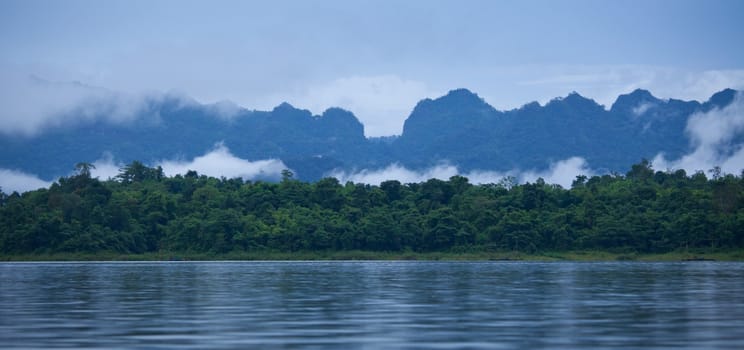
459	128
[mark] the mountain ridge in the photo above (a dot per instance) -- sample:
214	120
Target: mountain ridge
459	127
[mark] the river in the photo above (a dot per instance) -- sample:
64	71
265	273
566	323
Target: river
370	305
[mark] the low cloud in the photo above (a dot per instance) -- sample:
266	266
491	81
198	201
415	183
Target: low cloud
220	162
561	173
604	83
381	103
716	137
224	109
18	181
398	172
106	167
13	180
641	109
30	103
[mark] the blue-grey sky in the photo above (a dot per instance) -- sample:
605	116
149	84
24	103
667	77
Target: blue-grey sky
375	58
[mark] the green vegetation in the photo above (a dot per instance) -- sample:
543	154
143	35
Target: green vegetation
144	215
701	255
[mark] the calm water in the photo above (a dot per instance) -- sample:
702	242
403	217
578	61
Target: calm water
372	305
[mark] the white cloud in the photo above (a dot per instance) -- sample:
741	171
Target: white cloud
641	109
712	135
224	109
396	172
12	180
381	103
562	173
30	103
490	177
220	162
700	85
105	167
604	83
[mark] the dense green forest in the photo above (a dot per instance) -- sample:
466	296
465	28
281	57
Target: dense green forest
141	211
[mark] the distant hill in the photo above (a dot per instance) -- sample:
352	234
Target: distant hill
460	128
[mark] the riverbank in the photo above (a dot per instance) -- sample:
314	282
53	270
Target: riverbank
736	255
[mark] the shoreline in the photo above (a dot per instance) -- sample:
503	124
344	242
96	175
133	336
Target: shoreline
570	256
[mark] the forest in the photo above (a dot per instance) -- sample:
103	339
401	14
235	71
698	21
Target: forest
143	211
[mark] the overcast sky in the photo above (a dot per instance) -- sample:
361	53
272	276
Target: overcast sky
375	58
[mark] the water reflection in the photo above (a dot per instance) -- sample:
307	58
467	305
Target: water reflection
372	305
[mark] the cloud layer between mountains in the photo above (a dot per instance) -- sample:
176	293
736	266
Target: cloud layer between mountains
716	139
562	173
218	162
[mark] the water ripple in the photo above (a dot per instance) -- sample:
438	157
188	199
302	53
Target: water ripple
412	305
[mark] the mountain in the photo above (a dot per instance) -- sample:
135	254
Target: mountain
459	128
170	130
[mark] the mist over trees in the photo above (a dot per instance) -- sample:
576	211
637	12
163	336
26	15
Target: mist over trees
141	211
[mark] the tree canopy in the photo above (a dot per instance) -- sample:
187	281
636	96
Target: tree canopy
141	210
